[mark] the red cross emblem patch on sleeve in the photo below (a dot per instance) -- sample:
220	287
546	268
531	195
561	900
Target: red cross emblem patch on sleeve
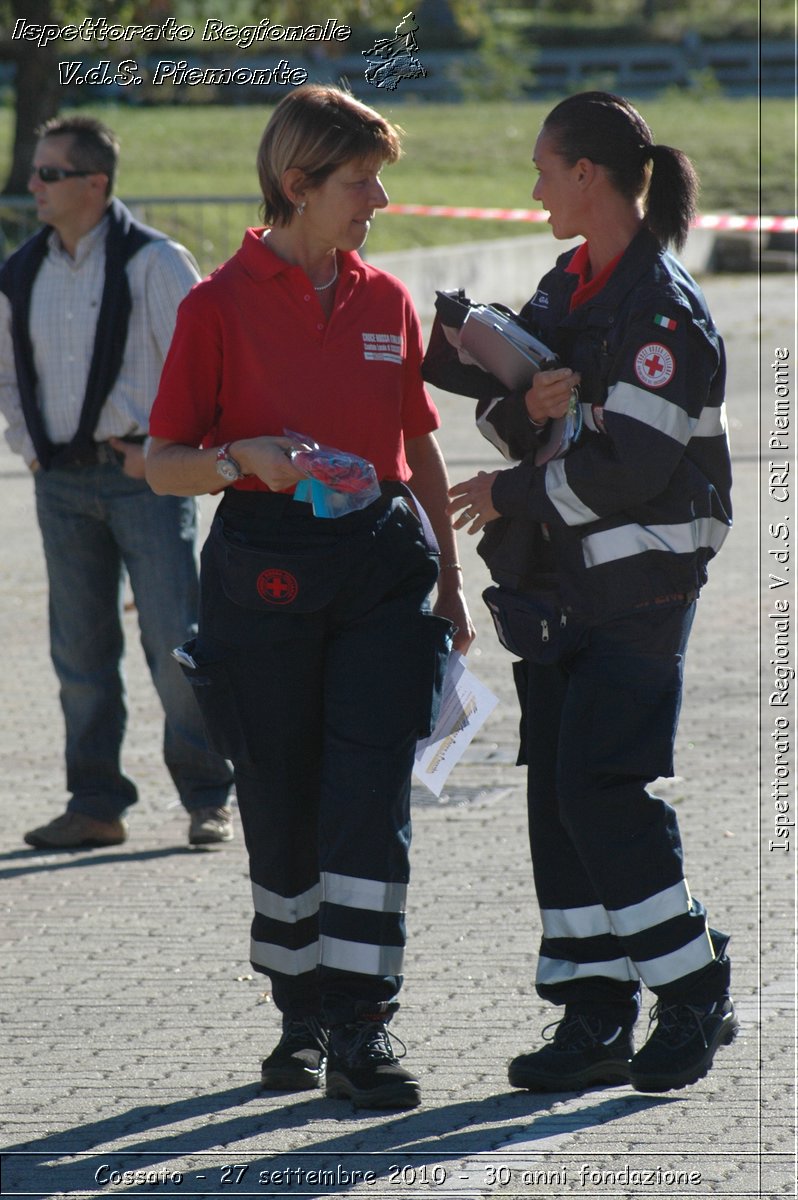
654	365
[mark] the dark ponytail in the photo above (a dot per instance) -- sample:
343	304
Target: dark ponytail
670	204
609	131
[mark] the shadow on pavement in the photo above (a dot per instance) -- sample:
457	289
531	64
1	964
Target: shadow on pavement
32	861
75	1161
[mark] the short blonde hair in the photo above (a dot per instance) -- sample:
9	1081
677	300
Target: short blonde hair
317	129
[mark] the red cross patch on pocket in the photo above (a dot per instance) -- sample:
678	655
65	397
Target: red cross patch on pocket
277	586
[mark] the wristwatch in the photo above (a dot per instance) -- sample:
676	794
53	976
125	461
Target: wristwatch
226	465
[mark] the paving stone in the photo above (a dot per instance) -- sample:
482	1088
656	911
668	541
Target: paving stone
134	1025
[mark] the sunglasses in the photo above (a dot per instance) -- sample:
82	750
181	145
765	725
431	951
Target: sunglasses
56	174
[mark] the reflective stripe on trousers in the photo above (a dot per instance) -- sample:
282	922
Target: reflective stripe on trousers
606	852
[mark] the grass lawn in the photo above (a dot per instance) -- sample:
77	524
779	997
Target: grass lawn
469	154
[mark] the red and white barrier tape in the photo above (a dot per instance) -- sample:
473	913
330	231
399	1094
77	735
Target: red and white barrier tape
748	224
722	223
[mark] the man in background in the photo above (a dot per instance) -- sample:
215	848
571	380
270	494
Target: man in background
87	309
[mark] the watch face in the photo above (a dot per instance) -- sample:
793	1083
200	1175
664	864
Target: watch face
227	469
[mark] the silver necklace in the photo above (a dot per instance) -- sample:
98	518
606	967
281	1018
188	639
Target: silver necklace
329	282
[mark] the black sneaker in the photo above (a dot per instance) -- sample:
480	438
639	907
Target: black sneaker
363	1067
585	1050
683	1045
298	1061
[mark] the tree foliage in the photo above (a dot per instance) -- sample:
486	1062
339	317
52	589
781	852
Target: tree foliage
36	82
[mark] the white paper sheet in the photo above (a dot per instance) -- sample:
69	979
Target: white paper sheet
465	706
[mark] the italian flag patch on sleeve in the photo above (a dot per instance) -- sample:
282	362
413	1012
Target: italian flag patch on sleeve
665	322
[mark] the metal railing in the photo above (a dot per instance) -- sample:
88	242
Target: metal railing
211	227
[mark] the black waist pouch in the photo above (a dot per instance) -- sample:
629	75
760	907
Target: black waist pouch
301	576
532	625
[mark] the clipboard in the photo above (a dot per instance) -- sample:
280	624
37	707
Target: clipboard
490	337
502	346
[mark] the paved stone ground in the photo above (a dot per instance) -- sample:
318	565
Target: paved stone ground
134	1027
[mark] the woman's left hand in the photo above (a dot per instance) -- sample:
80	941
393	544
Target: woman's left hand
472	502
269	458
451	603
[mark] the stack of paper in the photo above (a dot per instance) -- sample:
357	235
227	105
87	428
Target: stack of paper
465	706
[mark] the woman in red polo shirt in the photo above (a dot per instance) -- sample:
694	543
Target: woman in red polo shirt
318	660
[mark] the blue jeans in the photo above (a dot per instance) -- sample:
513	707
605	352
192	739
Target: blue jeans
97	522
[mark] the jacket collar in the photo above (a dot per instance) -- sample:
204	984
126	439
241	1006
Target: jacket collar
636	261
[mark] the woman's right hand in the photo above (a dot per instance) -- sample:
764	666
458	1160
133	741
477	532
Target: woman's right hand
550	394
268	459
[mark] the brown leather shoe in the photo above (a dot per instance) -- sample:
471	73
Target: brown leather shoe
72	830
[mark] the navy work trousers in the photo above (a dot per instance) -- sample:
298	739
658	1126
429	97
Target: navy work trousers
598	727
319	661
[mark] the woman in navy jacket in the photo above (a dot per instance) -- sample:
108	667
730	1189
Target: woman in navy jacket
599	557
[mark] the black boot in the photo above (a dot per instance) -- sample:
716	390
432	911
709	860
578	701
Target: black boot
363	1067
681	1048
586	1049
298	1061
694	1018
